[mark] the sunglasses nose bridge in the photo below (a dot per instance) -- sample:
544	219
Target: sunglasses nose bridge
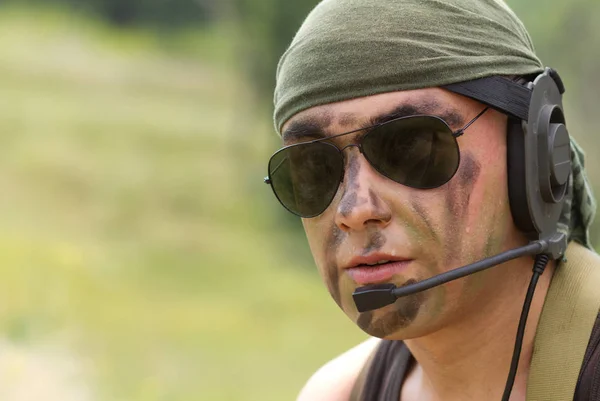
356	145
350	145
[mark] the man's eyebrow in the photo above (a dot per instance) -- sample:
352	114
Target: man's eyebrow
448	114
314	127
309	127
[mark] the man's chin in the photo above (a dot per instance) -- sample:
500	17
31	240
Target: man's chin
392	319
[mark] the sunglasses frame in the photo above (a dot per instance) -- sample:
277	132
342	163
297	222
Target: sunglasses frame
368	129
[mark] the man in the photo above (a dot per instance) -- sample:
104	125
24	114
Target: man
400	177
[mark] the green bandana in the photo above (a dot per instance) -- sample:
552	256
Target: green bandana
352	48
579	210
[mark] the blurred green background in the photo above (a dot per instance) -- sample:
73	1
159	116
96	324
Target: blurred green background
141	257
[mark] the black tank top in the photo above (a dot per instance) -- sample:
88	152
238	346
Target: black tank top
382	376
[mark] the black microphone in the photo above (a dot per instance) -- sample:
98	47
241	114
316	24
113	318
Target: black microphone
379	295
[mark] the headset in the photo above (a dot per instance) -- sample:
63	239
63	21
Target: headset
539	175
538	148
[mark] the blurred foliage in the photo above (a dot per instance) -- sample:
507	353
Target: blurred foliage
133	261
267	27
173	14
566	36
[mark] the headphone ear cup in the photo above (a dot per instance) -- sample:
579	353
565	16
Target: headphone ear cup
516	171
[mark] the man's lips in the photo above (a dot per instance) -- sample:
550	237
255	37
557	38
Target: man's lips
365	274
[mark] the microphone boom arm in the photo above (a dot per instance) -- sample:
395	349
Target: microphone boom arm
377	296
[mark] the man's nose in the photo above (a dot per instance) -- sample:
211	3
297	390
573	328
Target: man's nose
360	204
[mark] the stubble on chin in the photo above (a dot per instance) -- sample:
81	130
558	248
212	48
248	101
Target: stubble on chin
393	318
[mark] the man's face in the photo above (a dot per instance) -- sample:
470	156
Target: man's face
425	232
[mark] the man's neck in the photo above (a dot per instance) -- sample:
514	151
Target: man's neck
470	359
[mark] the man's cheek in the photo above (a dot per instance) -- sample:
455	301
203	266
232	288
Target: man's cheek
315	241
458	202
331	278
346	289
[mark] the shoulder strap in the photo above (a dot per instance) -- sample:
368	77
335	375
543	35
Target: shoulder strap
563	333
359	384
588	383
382	376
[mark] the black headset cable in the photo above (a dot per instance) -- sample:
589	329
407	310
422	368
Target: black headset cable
541	261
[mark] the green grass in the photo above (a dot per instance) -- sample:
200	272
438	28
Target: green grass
136	236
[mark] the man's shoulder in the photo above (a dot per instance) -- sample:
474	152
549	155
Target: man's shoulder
334	380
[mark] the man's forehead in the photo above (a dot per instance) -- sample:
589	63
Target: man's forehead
331	119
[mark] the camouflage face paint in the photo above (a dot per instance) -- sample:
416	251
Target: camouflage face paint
348	203
458	195
423	229
334	240
312	123
336	236
348	120
427	234
334	283
374	199
403	312
376	204
493	244
332	243
350	197
376	241
423	215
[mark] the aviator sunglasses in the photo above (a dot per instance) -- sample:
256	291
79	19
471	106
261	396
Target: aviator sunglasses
418	151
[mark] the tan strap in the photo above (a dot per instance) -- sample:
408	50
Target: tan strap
565	326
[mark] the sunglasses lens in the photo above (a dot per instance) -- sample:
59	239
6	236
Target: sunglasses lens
419	152
305	177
